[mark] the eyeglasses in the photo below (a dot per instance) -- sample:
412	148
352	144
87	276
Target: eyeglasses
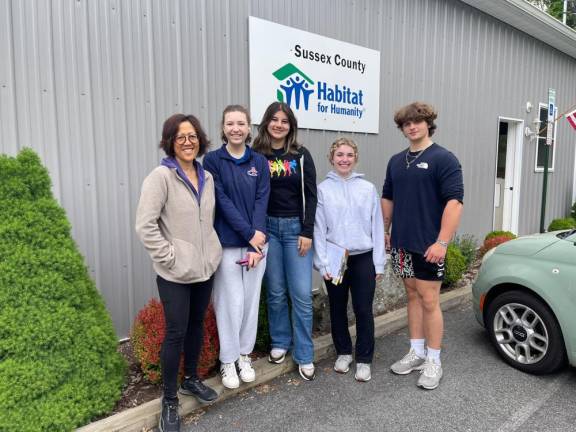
181	139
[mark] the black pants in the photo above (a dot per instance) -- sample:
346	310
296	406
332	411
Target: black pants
359	279
184	309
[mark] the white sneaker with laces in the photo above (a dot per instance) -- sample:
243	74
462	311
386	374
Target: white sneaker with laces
247	372
342	364
363	372
307	371
277	355
430	375
229	376
407	364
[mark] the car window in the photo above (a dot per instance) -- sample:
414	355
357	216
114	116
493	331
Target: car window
568	235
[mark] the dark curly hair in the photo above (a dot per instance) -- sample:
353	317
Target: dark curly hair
416	112
170	129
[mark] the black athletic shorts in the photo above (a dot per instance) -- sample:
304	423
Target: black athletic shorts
412	265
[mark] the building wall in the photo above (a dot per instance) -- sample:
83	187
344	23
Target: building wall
88	85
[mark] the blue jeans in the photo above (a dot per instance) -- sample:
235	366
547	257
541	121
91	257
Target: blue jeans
288	273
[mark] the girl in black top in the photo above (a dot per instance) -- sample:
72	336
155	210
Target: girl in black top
290	225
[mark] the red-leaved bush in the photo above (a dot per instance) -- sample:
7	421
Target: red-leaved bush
493	242
148	334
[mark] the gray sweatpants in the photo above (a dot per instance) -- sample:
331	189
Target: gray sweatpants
236	297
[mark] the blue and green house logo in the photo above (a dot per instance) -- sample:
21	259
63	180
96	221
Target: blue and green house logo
295	89
295	85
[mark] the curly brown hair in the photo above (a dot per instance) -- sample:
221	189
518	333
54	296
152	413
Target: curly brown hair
340	142
416	112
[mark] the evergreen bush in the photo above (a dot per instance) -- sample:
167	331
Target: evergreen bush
455	264
560	224
148	334
59	365
573	211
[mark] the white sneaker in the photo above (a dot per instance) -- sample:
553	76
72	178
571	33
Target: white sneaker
342	364
408	363
363	372
247	373
307	371
430	375
277	355
229	376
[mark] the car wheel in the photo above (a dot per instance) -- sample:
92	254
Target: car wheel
525	333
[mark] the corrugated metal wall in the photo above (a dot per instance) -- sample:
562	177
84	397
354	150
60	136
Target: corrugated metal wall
88	84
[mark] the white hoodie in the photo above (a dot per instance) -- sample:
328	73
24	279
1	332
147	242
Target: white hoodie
349	215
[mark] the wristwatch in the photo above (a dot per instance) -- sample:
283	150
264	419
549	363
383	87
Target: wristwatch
442	243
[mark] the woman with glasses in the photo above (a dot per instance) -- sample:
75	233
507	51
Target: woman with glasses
174	221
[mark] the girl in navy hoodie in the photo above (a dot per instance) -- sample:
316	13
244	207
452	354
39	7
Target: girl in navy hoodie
242	184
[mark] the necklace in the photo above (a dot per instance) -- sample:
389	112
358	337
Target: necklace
410	159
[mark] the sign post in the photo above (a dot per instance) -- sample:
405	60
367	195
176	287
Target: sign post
549	137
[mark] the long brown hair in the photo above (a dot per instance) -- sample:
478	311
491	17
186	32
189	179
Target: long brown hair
263	142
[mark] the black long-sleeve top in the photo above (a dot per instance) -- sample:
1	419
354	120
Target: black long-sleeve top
291	193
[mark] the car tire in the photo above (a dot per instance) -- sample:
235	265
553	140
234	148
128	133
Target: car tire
525	333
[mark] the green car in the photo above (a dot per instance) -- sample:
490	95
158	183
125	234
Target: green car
525	297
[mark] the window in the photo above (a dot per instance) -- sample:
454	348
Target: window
541	145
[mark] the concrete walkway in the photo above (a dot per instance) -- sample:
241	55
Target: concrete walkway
479	392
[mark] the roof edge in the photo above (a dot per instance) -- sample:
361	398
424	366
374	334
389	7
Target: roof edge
530	20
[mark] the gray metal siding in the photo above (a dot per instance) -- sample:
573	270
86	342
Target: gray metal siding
88	85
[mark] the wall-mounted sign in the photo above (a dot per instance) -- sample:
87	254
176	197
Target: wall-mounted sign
328	83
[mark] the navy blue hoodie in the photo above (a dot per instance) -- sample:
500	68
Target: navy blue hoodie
242	191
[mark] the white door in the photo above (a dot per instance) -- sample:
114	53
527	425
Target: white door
508	170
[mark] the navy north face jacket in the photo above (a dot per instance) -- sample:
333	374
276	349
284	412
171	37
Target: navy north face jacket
242	190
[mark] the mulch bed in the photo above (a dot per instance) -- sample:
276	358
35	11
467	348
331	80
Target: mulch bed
137	389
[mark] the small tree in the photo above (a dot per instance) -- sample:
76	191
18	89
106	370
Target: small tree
59	366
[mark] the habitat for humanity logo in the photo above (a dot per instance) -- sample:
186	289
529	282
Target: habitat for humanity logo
296	88
294	84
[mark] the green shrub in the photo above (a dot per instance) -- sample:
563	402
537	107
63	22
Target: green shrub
468	245
507	234
455	264
573	211
263	340
560	224
59	366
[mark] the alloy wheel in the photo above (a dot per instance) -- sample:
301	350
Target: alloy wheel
520	333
